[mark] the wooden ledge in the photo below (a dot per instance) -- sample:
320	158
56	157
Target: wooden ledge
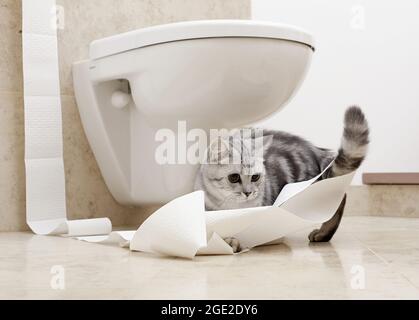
401	178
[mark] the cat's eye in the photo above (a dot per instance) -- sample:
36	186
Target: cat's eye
234	178
255	177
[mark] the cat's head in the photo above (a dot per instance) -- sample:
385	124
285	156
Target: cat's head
234	173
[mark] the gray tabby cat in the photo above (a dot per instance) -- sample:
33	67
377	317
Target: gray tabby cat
287	158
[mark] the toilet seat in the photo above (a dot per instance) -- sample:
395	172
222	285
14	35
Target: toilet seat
196	30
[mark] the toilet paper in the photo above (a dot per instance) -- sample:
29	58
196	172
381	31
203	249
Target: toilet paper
45	179
310	203
181	228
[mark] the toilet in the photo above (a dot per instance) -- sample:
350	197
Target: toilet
219	74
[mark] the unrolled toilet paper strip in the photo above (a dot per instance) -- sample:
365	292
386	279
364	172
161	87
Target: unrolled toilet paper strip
183	228
122	238
45	181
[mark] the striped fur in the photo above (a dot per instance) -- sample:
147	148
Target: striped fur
286	159
354	144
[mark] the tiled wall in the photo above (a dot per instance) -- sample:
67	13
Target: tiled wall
85	20
384	201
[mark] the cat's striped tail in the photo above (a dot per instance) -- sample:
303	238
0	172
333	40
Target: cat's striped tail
354	145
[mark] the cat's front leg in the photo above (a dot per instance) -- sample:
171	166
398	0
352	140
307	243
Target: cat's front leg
233	243
329	228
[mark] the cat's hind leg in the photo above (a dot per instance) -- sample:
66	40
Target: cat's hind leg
328	229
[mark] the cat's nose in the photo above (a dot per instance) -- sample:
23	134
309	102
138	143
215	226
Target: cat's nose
247	194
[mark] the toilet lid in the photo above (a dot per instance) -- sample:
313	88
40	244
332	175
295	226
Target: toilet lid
196	30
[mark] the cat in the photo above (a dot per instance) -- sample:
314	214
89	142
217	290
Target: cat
266	167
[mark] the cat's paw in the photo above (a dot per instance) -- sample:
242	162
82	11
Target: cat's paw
319	236
234	244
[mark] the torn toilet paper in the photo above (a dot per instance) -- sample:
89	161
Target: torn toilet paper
183	228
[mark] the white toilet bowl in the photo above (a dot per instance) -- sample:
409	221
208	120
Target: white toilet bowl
210	74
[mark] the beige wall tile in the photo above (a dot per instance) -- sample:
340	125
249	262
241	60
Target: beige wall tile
10	46
385	200
12	167
85	20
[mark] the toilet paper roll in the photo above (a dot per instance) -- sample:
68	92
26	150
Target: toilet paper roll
45	178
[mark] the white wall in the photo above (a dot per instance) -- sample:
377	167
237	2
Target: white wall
367	54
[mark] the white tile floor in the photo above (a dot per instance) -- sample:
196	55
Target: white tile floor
385	250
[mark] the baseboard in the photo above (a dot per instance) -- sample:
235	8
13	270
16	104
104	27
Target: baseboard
399	178
383	200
